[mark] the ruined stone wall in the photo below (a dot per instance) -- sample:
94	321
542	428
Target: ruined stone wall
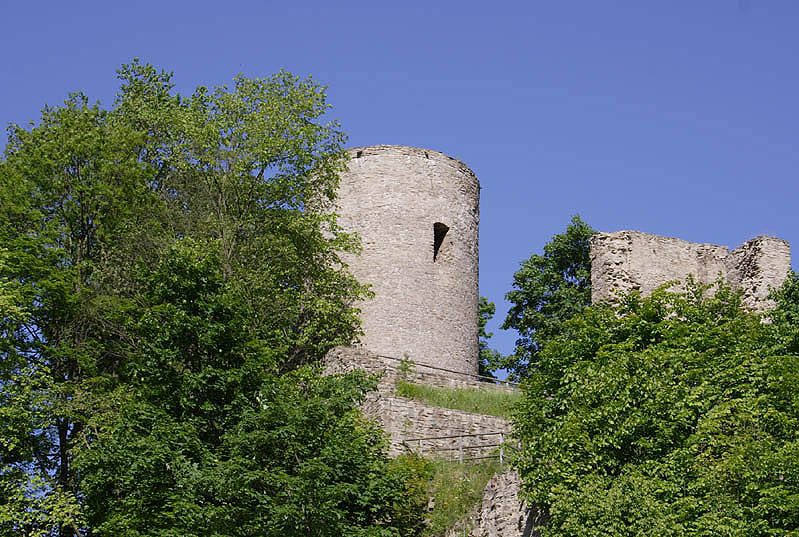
501	513
405	419
758	266
417	213
632	260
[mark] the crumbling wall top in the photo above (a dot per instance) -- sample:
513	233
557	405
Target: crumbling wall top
624	261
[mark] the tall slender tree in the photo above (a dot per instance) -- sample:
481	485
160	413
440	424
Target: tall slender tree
69	190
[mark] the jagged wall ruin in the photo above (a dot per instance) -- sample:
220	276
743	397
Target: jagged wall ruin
631	260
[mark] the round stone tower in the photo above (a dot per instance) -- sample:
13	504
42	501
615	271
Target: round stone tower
417	213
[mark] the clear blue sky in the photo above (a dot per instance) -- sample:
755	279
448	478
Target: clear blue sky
677	118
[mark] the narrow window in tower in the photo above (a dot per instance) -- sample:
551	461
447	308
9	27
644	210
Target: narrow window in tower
439	232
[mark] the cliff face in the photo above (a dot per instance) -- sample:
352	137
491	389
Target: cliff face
631	260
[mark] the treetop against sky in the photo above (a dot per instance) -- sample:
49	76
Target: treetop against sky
676	119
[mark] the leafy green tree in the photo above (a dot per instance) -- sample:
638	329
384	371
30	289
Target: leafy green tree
669	415
785	318
202	437
169	278
69	190
547	291
489	358
252	169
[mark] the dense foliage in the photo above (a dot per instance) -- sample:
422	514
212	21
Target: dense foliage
547	290
168	280
676	414
488	358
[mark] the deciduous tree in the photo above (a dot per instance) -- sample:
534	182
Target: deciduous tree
169	279
71	191
547	290
489	358
669	415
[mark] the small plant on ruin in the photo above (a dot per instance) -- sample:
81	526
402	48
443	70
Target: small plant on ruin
406	366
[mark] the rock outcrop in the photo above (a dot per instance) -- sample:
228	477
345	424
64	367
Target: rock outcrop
502	513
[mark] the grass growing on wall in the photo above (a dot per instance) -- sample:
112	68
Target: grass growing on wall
488	400
456	489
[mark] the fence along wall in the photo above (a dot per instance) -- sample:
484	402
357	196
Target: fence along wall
632	260
391	369
406	419
417	213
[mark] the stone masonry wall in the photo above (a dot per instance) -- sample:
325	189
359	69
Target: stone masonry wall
632	260
425	300
344	359
406	420
501	513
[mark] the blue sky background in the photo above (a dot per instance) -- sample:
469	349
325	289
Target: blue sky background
678	118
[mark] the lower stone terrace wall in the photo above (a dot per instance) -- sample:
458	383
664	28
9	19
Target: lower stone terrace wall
407	420
343	359
501	513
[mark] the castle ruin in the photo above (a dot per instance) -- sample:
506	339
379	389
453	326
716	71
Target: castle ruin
624	261
417	213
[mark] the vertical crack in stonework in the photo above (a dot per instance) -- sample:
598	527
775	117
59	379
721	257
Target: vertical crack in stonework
439	232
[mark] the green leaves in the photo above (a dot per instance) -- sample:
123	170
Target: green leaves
489	359
667	415
168	279
548	290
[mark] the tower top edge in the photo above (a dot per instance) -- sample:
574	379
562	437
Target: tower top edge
410	151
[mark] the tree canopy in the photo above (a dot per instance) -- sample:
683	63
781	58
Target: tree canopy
547	290
169	279
489	359
675	414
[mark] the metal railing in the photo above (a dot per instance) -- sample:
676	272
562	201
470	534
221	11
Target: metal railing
482	378
462	448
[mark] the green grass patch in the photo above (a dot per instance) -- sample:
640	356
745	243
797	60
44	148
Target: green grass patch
456	489
490	401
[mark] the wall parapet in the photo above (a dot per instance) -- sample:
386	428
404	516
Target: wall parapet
391	369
